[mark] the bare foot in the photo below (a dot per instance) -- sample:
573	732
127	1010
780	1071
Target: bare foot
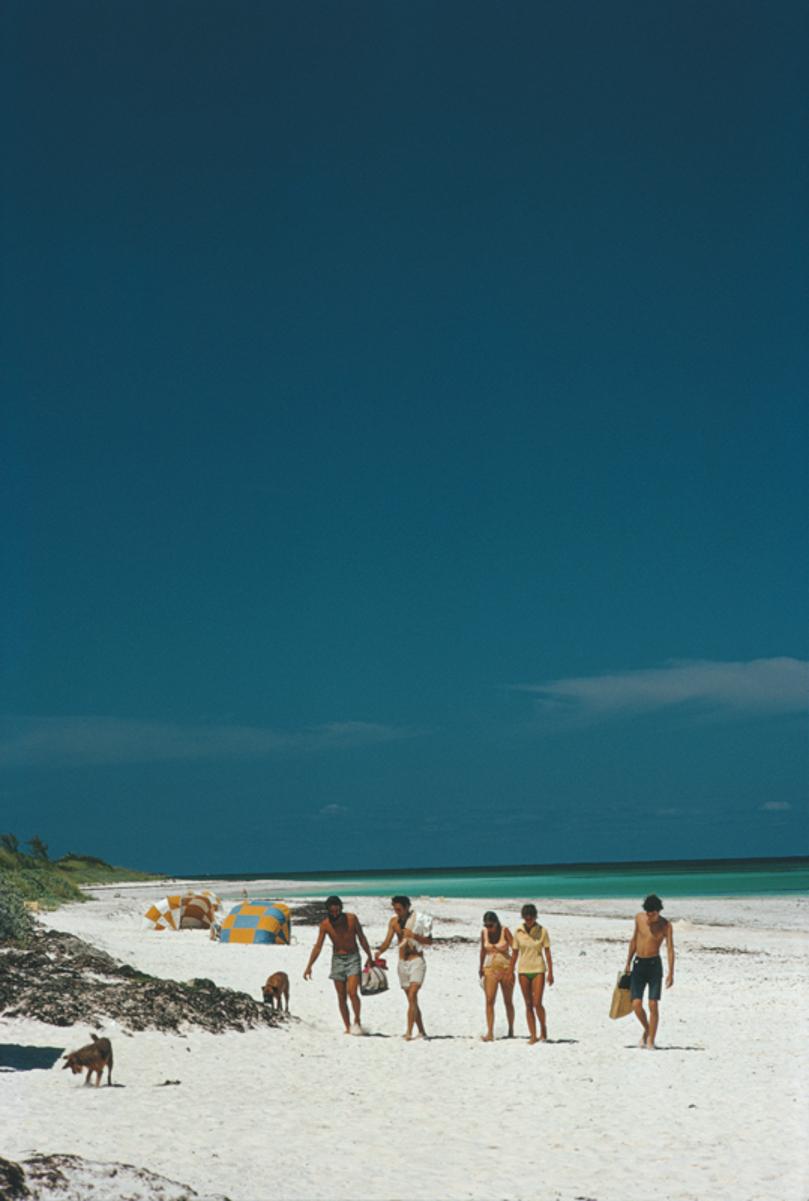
642	1042
510	1034
487	1038
533	1039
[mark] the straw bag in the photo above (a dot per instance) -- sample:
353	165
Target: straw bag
621	997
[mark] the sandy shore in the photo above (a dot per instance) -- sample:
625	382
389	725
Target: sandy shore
719	1113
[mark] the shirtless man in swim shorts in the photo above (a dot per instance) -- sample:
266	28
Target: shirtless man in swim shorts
412	967
651	931
345	931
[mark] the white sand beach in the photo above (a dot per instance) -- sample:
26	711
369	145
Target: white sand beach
718	1113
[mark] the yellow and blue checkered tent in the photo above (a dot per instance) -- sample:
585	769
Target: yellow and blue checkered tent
257	921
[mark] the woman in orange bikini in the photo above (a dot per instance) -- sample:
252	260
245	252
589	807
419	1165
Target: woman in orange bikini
496	969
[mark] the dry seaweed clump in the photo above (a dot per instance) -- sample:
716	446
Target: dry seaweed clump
62	980
72	1178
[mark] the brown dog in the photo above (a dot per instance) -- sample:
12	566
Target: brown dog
96	1056
277	986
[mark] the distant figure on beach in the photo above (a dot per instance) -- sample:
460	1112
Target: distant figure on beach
496	970
414	932
532	955
345	931
651	930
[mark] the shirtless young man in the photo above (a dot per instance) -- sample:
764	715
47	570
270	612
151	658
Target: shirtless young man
412	967
651	931
344	930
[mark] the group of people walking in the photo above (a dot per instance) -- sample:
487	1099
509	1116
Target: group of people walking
506	959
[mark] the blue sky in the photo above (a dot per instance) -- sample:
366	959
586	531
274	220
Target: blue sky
405	433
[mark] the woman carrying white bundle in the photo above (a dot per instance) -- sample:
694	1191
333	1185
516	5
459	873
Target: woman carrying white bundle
414	932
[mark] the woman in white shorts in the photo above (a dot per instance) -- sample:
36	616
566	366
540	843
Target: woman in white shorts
414	932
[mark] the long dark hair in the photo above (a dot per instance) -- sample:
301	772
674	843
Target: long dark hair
490	916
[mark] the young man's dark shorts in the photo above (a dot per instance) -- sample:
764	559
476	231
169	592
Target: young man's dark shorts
647	971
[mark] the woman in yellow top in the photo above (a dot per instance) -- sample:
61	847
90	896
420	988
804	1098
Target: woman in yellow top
496	969
532	954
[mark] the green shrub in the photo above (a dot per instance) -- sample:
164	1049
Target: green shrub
67	861
16	923
46	885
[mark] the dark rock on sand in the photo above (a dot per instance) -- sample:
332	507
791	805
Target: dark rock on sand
72	1178
62	980
308	913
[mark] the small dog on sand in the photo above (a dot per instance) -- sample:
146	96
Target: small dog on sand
276	987
96	1056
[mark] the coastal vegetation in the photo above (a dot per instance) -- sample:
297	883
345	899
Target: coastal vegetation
16	925
30	877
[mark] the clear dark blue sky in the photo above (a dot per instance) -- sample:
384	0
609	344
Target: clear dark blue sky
405	438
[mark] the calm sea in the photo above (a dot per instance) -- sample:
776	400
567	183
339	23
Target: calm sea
706	878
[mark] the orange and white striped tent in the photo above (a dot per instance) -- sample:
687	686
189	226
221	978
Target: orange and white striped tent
186	911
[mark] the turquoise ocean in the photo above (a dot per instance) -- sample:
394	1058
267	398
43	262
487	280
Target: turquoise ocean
672	878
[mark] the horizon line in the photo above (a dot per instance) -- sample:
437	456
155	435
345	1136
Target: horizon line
510	869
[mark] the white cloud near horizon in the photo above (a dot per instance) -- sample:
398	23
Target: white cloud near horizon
85	741
757	686
333	811
775	806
